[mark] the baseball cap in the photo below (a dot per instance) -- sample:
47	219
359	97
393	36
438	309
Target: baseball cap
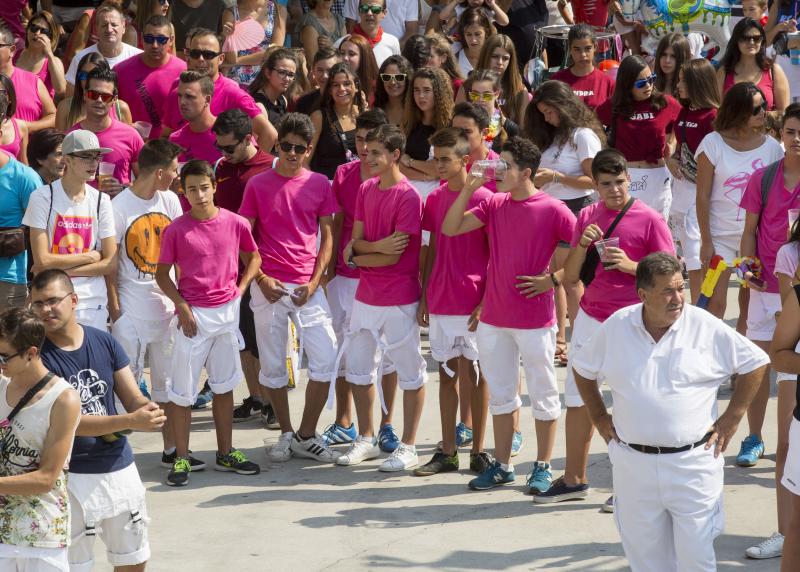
81	140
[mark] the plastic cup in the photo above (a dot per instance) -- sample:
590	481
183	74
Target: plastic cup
104	172
494	169
602	246
144	128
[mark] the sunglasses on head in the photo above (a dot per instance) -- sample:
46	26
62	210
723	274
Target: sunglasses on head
759	108
163	2
364	8
82	75
104	97
287	147
229	149
39	30
398	77
640	83
151	39
205	54
475	96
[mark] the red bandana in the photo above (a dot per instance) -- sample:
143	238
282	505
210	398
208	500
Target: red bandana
372	41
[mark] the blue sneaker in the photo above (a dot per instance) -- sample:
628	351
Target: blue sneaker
463	435
143	388
336	434
492	477
540	479
387	439
752	450
203	398
516	443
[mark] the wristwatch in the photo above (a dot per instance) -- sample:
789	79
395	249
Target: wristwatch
555	280
351	263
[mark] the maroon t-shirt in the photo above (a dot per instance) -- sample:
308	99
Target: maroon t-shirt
643	135
232	177
593	89
692	125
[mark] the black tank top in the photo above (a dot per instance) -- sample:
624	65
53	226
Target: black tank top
332	146
417	146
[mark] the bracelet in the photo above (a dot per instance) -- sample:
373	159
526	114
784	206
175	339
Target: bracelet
580	243
555	178
555	280
260	277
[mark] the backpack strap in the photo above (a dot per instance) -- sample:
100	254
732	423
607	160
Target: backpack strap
766	184
49	209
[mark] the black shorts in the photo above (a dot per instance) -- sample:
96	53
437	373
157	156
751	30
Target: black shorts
247	325
576	205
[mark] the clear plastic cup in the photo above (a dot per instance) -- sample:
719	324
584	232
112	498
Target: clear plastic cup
104	172
603	245
144	128
494	169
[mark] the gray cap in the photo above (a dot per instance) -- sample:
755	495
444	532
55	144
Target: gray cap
81	140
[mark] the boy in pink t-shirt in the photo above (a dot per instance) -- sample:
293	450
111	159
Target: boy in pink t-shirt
385	246
453	281
524	226
287	206
205	245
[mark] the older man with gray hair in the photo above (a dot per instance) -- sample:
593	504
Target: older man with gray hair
664	360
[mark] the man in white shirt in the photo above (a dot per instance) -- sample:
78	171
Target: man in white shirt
110	28
371	14
664	361
402	17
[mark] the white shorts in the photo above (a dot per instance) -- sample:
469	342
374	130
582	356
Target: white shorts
147	337
425	188
583	330
313	321
727	246
215	346
450	338
761	320
31	559
653	187
500	350
93	317
791	469
683	222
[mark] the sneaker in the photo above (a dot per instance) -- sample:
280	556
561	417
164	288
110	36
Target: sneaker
608	506
167	460
143	388
236	462
203	398
269	418
440	463
772	547
404	457
313	448
280	452
540	479
362	449
492	477
249	409
387	439
752	450
337	434
479	462
560	491
463	435
516	443
179	473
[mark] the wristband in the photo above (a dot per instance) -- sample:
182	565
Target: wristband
555	280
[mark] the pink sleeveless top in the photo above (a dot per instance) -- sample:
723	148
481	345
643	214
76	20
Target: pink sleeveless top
26	84
43	74
16	144
764	84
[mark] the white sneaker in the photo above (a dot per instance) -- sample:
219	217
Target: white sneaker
608	506
404	457
769	548
313	448
280	452
362	449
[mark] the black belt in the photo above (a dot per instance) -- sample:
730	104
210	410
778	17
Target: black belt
650	450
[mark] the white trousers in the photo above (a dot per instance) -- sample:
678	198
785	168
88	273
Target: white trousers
147	337
583	331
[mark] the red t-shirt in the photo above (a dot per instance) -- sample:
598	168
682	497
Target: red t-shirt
232	177
693	125
643	135
593	89
592	12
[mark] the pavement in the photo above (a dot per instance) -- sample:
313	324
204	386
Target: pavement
304	516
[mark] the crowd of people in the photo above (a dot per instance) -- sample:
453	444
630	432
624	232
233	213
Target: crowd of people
173	198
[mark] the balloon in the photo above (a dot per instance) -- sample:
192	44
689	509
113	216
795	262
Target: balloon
609	67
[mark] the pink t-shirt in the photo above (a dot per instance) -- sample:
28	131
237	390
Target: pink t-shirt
145	89
774	225
641	231
196	145
207	254
788	259
125	144
383	212
346	182
458	277
523	236
26	85
227	95
287	213
593	89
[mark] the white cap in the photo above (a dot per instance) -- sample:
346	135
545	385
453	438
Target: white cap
81	140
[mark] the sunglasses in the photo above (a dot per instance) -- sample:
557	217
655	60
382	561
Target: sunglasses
82	76
151	39
640	83
475	96
163	2
5	359
229	149
398	77
285	73
287	147
751	39
104	97
759	108
205	54
365	8
39	30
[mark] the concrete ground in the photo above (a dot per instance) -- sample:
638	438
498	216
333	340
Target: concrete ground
302	515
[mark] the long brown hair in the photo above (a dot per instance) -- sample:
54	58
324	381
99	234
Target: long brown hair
442	100
737	106
441	46
682	52
367	71
75	112
514	91
702	89
627	74
572	113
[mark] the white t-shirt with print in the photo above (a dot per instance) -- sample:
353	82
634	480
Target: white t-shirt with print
139	225
732	170
566	159
74	227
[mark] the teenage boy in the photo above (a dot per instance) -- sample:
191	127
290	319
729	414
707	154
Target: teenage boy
140	312
385	245
453	282
474	121
72	227
105	490
205	245
518	316
324	60
196	137
641	231
287	207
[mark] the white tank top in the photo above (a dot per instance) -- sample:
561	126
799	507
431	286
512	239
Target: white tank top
35	520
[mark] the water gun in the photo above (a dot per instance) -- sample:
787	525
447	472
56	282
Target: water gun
715	270
749	264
